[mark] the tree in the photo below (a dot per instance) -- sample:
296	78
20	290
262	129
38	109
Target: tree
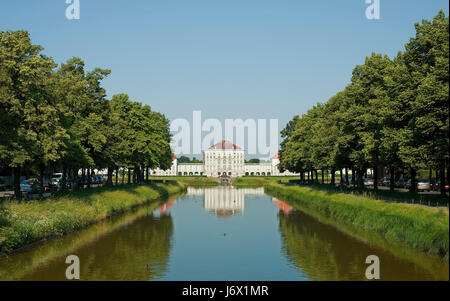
31	131
426	58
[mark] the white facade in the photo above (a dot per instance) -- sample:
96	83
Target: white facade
170	172
223	201
224	159
190	169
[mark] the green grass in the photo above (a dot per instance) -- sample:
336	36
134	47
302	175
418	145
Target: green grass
188	180
23	223
255	181
424	228
399	196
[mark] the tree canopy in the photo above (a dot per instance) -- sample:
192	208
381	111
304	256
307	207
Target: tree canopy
59	116
394	113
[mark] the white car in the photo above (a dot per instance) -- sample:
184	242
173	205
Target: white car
55	180
423	185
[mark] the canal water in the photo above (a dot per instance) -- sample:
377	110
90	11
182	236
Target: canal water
220	233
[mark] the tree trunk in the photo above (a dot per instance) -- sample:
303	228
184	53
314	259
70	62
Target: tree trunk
430	176
375	177
317	176
442	175
41	182
361	178
146	175
354	178
110	174
346	177
129	176
17	193
123	175
437	175
74	177
323	176
83	177
117	174
413	180
89	178
392	181
64	177
448	172
332	177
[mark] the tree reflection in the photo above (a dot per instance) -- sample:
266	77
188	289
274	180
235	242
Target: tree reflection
134	246
322	252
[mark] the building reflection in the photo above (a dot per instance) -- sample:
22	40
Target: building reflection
285	208
164	208
225	201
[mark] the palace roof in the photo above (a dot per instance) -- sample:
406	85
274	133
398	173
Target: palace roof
224	144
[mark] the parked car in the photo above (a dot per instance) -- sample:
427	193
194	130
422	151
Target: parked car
31	185
368	182
437	186
56	181
423	185
96	180
408	184
400	183
2	184
386	182
82	181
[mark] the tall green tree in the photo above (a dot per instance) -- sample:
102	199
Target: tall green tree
31	130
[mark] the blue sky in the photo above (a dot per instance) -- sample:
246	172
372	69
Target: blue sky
227	58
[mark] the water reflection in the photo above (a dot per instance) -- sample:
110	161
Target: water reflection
285	208
183	239
134	246
224	201
325	253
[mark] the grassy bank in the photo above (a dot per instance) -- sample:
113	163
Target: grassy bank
385	194
189	180
23	223
257	181
424	228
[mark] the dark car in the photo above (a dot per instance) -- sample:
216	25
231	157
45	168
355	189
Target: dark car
384	182
408	184
400	183
82	181
437	186
96	180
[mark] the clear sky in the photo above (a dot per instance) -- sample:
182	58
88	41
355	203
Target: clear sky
227	58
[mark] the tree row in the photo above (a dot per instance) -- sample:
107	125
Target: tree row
394	114
58	117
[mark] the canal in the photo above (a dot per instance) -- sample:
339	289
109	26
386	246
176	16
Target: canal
221	233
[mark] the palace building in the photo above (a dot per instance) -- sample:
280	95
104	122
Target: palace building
223	159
